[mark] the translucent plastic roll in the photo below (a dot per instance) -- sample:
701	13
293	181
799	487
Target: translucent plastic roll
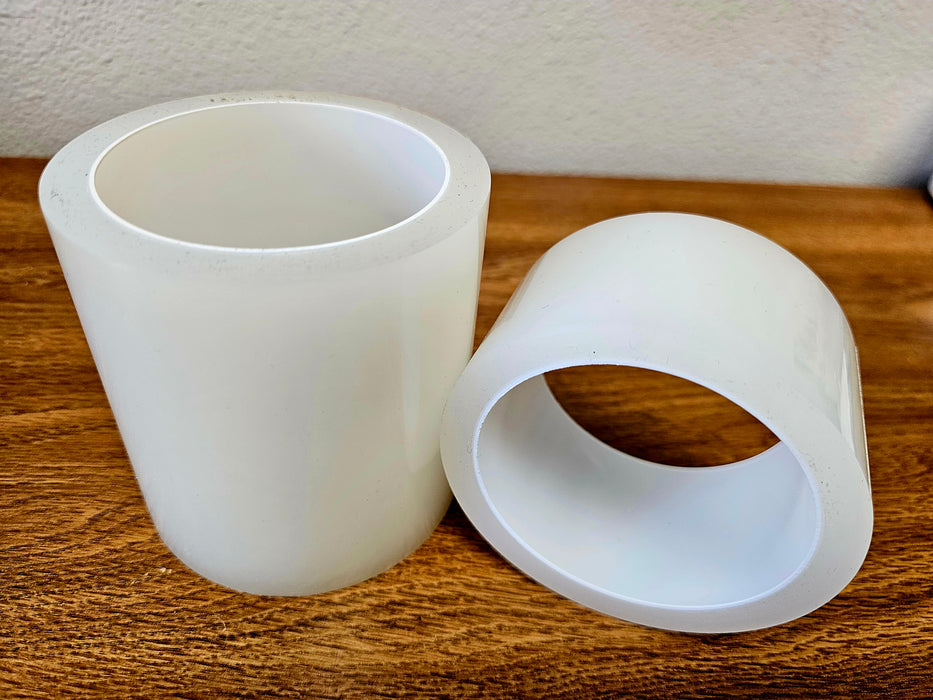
721	549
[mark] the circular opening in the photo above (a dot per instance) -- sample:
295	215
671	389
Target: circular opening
270	175
658	417
659	535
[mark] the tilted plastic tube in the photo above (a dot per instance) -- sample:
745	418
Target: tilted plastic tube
720	549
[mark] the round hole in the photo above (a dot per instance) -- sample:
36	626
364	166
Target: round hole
658	417
270	175
660	535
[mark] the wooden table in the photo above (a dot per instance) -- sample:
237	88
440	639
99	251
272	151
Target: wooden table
91	602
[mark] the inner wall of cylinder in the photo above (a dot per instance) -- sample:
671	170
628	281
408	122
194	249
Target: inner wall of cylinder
270	175
670	536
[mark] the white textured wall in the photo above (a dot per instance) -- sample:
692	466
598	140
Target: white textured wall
807	91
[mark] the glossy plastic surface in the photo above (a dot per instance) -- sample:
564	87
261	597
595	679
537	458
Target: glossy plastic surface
279	292
720	549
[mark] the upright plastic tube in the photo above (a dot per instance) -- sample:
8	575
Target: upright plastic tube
279	291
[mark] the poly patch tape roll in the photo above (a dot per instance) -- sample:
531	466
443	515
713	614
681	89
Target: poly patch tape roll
721	549
279	291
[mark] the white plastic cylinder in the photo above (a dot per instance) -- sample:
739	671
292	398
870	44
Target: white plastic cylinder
279	291
720	549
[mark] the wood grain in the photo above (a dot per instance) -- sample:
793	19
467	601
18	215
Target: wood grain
92	604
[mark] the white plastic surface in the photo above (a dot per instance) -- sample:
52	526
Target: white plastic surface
279	292
720	549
